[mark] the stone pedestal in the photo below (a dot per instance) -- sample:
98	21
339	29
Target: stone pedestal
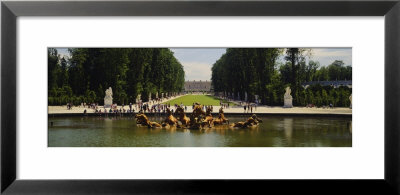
108	100
288	102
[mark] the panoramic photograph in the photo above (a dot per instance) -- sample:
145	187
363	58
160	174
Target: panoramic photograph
199	97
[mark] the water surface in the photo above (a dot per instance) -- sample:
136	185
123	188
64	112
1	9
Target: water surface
275	131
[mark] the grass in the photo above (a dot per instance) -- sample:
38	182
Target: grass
188	100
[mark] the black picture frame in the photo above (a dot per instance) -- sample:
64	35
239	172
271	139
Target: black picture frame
10	10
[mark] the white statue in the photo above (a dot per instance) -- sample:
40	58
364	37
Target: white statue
149	97
108	100
245	96
138	98
287	98
351	104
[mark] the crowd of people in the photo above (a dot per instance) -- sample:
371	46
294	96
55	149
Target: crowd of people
69	106
323	106
223	105
249	107
84	105
154	106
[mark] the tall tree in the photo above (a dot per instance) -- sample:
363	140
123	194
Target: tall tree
296	57
53	68
130	72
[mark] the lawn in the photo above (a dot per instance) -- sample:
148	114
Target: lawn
188	100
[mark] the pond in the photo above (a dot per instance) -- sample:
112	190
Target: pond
275	131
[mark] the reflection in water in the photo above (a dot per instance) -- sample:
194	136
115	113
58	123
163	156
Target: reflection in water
273	132
350	126
288	128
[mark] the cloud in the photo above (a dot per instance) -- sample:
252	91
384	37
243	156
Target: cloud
326	56
197	71
197	62
63	52
203	55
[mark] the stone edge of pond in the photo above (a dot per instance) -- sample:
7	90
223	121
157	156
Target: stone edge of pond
347	115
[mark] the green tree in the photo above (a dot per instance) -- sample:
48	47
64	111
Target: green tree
129	72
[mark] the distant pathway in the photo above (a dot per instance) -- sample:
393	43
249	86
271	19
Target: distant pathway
231	109
280	110
235	109
79	109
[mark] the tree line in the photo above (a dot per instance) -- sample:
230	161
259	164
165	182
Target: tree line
88	72
257	71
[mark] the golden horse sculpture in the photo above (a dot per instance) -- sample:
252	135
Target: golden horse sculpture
208	120
250	122
182	117
198	117
221	118
141	119
198	110
170	120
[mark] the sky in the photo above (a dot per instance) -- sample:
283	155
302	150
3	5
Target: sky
197	62
63	52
